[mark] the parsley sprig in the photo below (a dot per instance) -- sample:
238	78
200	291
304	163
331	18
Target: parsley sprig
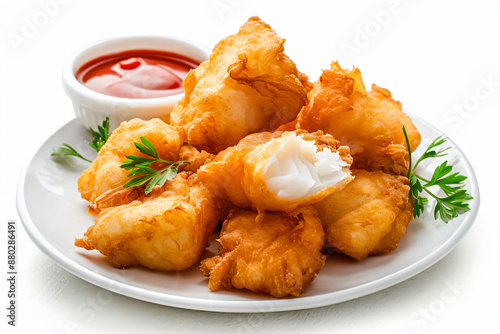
454	203
66	150
142	173
99	138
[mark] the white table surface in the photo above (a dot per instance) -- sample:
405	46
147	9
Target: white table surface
437	57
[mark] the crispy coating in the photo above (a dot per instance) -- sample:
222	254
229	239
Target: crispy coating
339	105
239	174
395	117
168	231
275	253
119	196
367	123
247	85
392	159
222	174
369	216
196	158
105	173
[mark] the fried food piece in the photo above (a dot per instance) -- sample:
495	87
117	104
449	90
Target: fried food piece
222	174
248	85
275	253
369	216
120	195
105	173
167	232
295	169
279	171
339	105
395	117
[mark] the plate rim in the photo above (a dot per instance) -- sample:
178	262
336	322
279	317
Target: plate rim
247	306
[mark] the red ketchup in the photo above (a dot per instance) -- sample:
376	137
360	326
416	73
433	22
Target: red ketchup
137	74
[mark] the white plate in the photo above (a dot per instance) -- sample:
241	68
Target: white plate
53	214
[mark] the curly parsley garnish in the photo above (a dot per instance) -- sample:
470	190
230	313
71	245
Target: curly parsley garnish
99	138
140	165
448	207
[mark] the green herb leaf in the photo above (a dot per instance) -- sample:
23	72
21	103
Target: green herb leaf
450	183
137	181
66	150
141	172
151	147
100	136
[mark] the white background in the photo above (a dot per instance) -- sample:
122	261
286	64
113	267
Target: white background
435	57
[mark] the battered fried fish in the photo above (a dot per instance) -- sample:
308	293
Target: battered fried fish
279	171
167	232
369	216
275	253
248	85
105	173
339	105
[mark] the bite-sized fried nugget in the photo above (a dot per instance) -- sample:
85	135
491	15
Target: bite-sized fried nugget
167	232
285	170
105	173
339	105
275	253
369	216
222	174
120	195
247	85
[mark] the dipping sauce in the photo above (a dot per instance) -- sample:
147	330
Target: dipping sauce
137	74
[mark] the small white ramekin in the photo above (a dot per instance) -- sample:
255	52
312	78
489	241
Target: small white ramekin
91	107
